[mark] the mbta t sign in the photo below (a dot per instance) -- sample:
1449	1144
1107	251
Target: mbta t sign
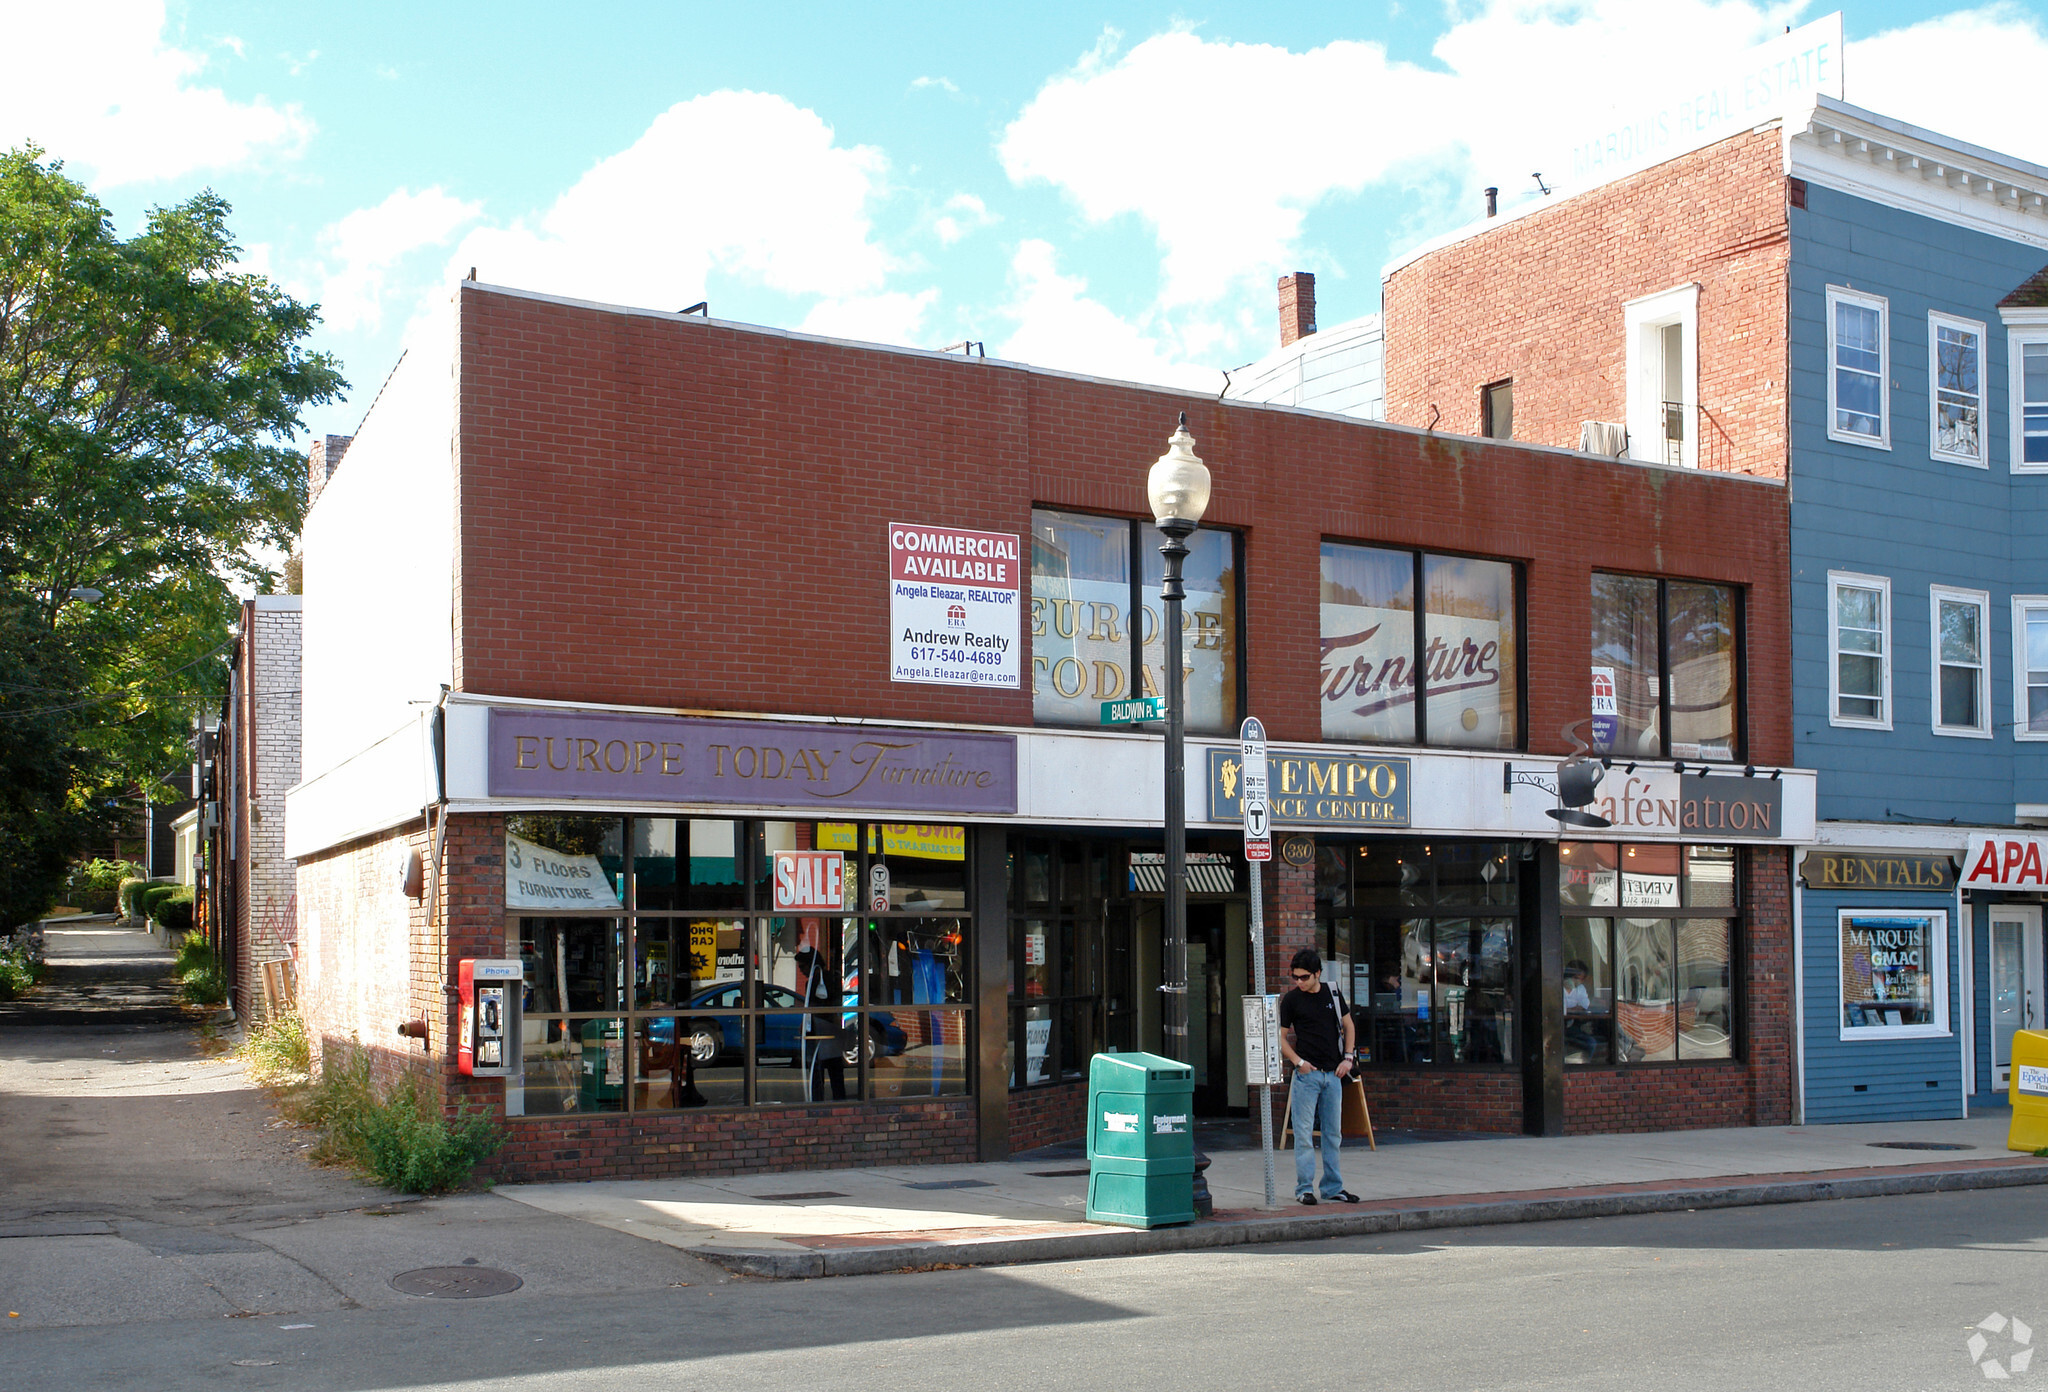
1258	825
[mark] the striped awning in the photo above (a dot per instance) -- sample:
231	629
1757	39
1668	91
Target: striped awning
1209	872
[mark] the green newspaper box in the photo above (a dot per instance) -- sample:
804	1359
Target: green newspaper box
1141	1140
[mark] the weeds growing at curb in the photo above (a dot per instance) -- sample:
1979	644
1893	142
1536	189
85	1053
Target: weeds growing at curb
400	1138
279	1050
200	980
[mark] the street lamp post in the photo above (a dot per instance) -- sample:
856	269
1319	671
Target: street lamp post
1179	491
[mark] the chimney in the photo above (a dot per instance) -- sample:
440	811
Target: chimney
1297	306
1492	202
321	462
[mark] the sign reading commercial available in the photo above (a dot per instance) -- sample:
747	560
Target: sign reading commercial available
2005	860
953	606
566	754
1305	789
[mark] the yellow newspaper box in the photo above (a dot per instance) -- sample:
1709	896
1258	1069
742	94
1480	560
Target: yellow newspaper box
2028	1091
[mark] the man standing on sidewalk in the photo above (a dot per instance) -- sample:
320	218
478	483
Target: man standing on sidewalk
1316	1040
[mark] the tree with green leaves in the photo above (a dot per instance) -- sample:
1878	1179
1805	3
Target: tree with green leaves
149	393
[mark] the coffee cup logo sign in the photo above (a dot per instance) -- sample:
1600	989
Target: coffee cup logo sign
2004	860
652	758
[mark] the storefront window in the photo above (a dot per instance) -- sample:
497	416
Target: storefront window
1647	987
1892	973
1420	936
1666	669
1464	653
1059	951
699	994
1095	620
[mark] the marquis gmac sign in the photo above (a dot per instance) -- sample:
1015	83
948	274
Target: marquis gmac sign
1303	789
1723	806
657	758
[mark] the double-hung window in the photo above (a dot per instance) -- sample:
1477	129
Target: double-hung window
1962	689
1955	389
2030	667
1860	645
1859	368
2027	349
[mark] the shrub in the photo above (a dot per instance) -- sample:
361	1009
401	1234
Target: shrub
400	1139
93	884
194	954
200	980
19	970
129	896
279	1049
174	911
154	896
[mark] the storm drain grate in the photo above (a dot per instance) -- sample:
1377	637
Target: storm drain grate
1920	1145
1056	1174
455	1282
952	1184
808	1194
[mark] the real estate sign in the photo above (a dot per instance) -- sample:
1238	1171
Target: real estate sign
953	606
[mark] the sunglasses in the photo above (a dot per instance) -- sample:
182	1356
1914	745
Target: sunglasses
1303	976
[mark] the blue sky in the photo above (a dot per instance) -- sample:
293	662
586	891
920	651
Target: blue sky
1106	188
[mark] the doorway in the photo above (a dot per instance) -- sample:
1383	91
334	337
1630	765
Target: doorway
2015	982
1219	967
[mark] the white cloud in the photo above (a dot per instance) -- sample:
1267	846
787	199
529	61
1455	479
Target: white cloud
1224	148
108	94
892	317
1059	325
944	84
296	65
744	183
370	242
963	213
2002	48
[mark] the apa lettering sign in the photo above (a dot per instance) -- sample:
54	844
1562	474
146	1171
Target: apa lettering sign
1304	789
824	769
2004	860
953	606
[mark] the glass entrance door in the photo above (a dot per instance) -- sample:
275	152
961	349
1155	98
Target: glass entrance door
2015	981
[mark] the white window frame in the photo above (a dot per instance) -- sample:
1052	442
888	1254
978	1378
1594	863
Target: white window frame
2021	603
2022	327
1842	294
1836	580
1936	322
1644	321
1980	600
1937	968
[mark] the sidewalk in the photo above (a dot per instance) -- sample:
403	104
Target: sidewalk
845	1222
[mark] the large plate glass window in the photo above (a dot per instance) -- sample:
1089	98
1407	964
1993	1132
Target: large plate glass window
1462	650
1649	952
682	985
1666	669
1860	650
1894	973
1859	368
1095	619
1955	364
2030	667
1962	686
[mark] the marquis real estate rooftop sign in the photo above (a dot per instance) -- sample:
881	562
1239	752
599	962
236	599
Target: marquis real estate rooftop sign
567	754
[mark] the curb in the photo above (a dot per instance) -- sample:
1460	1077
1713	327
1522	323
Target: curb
1416	1215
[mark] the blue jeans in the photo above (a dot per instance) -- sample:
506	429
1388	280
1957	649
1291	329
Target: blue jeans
1317	1097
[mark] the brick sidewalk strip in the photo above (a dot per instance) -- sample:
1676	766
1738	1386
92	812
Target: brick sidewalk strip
871	1253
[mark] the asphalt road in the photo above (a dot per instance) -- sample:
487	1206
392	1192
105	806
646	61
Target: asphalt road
1866	1294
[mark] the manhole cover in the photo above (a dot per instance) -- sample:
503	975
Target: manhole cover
809	1194
455	1282
1919	1145
1056	1174
952	1184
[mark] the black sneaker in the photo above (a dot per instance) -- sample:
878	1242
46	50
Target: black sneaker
1346	1197
1309	1199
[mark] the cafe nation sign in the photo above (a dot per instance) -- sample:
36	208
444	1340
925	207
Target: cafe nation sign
1305	789
654	758
1721	806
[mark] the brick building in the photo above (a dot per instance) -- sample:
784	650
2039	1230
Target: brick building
620	661
1819	293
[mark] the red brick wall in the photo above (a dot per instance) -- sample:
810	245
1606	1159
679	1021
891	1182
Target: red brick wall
1045	1116
1540	298
1755	1090
714	502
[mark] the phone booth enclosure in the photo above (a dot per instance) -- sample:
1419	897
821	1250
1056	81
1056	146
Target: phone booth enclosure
490	990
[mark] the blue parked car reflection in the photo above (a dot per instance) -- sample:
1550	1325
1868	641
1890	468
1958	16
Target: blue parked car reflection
722	1039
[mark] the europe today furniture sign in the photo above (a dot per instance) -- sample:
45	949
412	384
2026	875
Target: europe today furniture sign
566	754
1304	789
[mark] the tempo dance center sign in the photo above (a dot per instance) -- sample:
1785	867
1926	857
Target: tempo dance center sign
953	606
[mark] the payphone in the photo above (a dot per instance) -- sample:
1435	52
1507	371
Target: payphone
488	1046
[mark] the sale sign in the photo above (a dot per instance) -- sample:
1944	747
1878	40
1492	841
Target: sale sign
953	606
809	881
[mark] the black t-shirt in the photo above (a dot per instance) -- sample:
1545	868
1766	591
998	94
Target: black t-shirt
1318	1030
